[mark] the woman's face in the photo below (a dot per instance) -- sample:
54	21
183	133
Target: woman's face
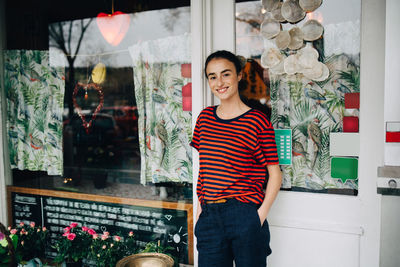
223	79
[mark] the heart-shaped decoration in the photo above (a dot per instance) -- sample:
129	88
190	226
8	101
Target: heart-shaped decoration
85	124
113	27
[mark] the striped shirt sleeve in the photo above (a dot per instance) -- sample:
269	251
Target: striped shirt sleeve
196	135
267	146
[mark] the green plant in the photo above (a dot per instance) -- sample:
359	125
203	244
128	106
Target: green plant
32	241
8	245
74	244
107	250
158	248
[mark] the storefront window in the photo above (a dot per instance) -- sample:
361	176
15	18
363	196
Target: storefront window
124	126
305	72
101	106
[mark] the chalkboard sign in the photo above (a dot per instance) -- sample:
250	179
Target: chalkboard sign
149	220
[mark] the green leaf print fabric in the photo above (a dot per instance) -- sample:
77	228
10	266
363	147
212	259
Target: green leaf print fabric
164	128
313	110
35	101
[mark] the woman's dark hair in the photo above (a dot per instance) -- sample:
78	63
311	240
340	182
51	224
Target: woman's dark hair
225	55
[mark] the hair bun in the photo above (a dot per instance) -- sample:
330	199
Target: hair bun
242	60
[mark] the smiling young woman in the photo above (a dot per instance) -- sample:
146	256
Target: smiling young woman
237	148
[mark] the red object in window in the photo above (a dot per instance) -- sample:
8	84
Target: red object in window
186	70
187	103
187	97
392	137
352	100
350	124
187	90
114	26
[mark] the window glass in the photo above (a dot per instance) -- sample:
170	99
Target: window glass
101	117
305	76
100	105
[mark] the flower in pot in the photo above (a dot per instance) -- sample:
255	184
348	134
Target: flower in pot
8	244
107	250
74	244
32	241
154	254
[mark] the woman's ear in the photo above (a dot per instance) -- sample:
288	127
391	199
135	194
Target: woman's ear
240	76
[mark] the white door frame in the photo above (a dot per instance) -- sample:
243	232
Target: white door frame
5	172
357	216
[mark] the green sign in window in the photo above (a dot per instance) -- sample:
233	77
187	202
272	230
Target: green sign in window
283	138
344	168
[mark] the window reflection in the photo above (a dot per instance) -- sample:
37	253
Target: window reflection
101	122
314	109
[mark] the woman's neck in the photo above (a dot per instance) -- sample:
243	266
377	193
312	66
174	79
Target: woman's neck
231	109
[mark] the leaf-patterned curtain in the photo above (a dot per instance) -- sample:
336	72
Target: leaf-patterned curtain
313	110
164	128
35	101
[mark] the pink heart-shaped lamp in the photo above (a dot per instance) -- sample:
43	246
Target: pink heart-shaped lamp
114	26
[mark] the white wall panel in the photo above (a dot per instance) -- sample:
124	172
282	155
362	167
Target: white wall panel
392	77
292	247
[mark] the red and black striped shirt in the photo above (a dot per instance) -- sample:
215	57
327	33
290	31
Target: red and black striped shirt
233	155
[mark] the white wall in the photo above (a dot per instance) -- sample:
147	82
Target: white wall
390	217
390	234
392	77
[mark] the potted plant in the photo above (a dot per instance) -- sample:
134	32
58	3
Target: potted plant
8	244
32	241
73	245
29	242
154	254
107	250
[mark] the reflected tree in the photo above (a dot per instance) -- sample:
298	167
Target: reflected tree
63	36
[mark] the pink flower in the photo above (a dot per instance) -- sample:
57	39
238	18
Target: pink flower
95	236
104	247
65	234
22	242
91	232
73	225
21	224
131	233
44	229
106	233
38	230
117	238
13	231
67	229
9	228
23	232
104	237
32	224
85	229
71	236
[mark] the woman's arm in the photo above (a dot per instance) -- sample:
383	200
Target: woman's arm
273	187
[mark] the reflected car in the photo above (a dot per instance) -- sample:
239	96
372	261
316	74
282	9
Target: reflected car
97	147
126	118
104	130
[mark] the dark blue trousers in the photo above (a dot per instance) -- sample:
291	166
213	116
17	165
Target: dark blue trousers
232	231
